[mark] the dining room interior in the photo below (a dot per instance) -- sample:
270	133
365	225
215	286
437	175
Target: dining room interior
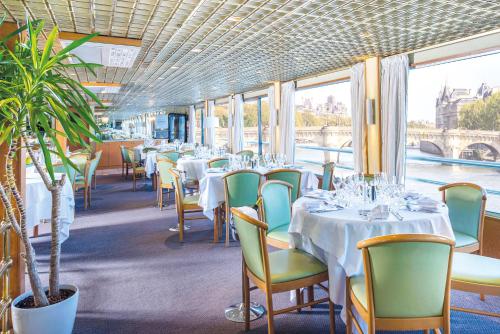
260	166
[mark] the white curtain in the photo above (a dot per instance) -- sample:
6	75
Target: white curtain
394	101
192	125
358	114
210	139
238	141
286	121
230	113
273	119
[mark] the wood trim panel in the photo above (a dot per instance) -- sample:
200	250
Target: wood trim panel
111	155
72	36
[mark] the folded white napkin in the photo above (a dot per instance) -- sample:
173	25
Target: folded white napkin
380	212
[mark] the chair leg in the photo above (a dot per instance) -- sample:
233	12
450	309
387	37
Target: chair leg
482	297
216	224
123	169
331	307
85	198
310	294
298	297
160	202
35	231
270	313
134	180
446	327
348	306
181	227
246	300
227	225
95	180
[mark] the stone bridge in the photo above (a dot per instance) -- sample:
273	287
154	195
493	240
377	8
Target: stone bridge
447	143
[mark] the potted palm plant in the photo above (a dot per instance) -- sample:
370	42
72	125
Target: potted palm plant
35	91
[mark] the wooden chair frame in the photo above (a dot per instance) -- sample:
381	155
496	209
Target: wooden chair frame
226	200
262	212
330	186
368	315
125	164
160	186
481	289
135	170
281	170
269	288
183	209
477	247
87	188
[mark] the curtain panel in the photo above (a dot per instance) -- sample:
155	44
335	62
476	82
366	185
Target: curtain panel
230	113
358	115
238	140
286	121
273	119
210	138
192	125
394	104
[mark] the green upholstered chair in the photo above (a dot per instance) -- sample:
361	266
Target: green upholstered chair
476	274
218	163
466	205
185	204
241	188
172	155
327	177
275	209
246	153
405	286
137	169
85	182
97	156
275	272
126	161
291	176
166	180
68	170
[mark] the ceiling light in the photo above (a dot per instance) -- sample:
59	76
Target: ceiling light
174	67
235	18
102	87
196	50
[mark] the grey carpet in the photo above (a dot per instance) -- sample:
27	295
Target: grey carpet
135	277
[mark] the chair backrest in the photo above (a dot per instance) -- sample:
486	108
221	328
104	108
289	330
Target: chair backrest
251	233
246	153
407	275
92	165
275	203
188	153
131	156
218	163
466	205
291	176
125	156
179	189
241	188
68	170
80	160
163	166
327	183
172	155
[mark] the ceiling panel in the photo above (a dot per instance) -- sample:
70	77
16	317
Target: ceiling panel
202	49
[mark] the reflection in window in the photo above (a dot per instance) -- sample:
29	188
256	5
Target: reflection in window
323	127
221	137
250	125
198	116
454	126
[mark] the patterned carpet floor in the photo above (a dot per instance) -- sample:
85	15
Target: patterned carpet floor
135	277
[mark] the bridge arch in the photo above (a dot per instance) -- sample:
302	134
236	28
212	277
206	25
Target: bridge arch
480	151
431	147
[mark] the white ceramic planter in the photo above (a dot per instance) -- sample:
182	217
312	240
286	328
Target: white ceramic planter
53	319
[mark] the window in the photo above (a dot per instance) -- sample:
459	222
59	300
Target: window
250	125
323	127
266	141
221	136
199	125
454	126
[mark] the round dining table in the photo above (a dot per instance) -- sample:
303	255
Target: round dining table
39	203
194	168
331	236
212	187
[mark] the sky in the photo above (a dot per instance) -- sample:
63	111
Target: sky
425	84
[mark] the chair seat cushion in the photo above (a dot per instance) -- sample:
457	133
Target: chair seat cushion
293	264
478	269
191	199
280	233
358	287
462	239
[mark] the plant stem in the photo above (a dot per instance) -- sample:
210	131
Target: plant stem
55	245
30	256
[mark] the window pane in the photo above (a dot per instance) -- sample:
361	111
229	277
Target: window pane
221	137
198	113
323	127
454	126
250	125
266	142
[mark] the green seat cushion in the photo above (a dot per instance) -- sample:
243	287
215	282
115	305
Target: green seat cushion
358	287
191	199
279	233
478	269
462	239
293	264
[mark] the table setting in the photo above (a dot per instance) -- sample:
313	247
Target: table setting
329	224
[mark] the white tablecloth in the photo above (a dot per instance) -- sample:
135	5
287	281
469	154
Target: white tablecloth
39	204
332	237
150	163
193	167
212	189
